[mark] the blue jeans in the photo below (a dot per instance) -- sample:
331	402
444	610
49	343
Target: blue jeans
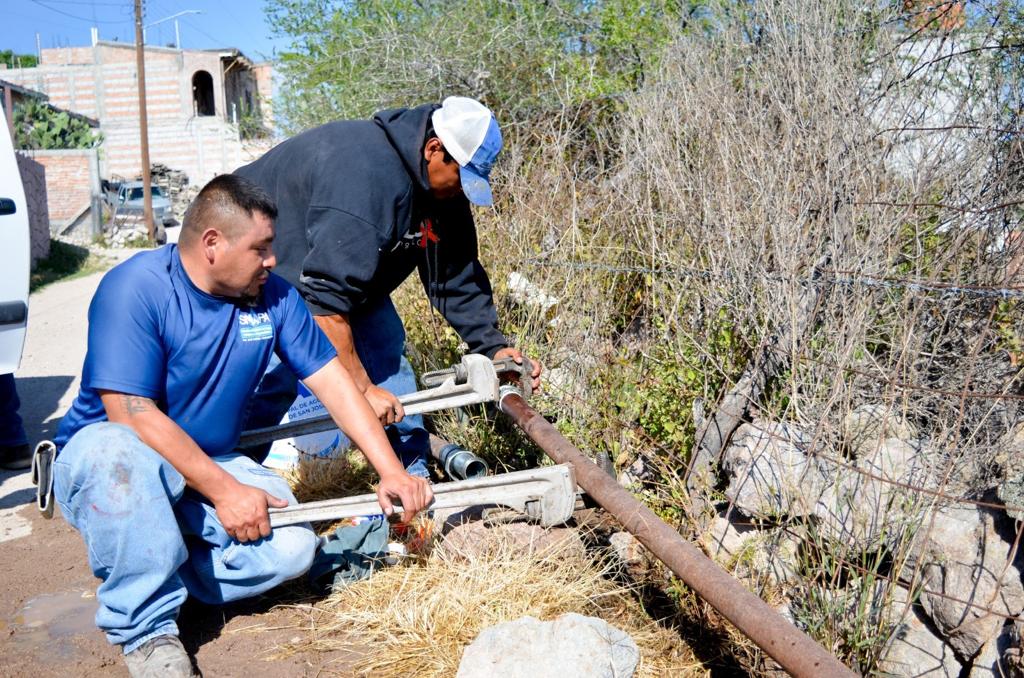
12	432
379	339
153	542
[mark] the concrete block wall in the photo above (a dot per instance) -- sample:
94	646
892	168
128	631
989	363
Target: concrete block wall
72	177
33	178
100	82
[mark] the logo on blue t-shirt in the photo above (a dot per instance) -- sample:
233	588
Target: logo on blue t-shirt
255	325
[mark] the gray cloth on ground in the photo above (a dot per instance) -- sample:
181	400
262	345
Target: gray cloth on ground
350	555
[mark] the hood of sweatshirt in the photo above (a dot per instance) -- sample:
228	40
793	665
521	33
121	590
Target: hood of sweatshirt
406	130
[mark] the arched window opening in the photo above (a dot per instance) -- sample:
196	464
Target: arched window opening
202	93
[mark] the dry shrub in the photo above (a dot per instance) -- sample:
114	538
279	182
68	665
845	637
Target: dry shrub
417	619
833	146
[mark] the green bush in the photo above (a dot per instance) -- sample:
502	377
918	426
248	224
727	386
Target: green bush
41	127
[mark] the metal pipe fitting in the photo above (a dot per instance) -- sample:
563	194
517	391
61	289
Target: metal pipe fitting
457	462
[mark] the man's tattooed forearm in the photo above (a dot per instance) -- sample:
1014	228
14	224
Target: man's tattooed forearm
136	404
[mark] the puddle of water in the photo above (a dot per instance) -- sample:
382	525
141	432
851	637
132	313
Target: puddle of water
47	622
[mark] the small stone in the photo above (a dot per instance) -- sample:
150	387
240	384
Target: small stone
725	541
627	548
635	475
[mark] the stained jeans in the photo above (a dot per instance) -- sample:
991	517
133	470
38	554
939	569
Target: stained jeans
12	432
153	542
379	339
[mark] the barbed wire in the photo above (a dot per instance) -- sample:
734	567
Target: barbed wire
835	277
815	450
969	395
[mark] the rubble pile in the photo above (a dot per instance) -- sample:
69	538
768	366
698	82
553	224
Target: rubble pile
175	185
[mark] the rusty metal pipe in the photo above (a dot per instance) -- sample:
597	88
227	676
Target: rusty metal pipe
794	650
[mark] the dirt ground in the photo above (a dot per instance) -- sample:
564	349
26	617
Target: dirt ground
47	603
47	592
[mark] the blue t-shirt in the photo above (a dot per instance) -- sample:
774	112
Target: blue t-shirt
153	333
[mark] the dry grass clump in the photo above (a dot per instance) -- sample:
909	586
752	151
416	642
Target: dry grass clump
317	478
417	619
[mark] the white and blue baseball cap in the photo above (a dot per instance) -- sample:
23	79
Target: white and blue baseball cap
470	134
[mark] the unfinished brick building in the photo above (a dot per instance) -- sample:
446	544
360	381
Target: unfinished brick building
195	102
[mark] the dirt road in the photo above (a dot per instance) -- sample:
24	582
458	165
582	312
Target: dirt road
47	592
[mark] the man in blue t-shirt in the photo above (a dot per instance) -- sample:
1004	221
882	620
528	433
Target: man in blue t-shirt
147	469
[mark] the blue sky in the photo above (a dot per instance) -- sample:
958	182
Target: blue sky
223	23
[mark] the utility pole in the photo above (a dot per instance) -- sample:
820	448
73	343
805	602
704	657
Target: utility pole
140	58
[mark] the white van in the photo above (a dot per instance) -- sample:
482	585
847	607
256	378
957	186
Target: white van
14	256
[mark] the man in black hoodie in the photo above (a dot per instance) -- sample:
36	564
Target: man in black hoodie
361	204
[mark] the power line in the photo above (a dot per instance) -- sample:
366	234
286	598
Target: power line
78	2
75	16
217	42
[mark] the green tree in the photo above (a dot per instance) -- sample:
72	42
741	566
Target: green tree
14	60
349	59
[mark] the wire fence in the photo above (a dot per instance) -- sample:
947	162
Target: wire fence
826	277
935	492
832	554
670	254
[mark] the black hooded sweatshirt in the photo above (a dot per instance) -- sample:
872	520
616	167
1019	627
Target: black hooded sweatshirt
356	216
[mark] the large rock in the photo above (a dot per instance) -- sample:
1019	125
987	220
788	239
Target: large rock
769	474
865	427
865	509
964	558
915	651
1011	460
572	646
